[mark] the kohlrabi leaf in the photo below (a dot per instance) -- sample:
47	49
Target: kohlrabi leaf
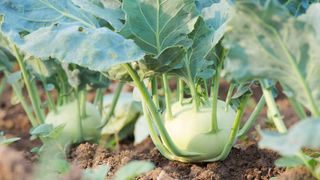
168	60
126	111
297	7
288	161
43	69
61	30
96	173
111	14
23	17
159	27
208	30
267	42
304	134
133	169
159	24
98	48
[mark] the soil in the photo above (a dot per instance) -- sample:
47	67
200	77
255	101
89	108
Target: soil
246	160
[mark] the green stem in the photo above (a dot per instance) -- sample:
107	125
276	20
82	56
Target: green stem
154	136
298	108
193	90
114	102
206	88
79	117
33	93
253	117
52	106
215	84
229	95
2	85
155	114
180	91
278	119
272	107
167	96
233	134
98	100
25	105
154	91
83	103
63	90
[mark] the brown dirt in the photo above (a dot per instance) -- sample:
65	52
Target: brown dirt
245	162
242	163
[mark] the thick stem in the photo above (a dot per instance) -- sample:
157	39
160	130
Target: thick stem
233	134
229	95
154	136
154	91
180	91
83	103
167	96
272	107
33	93
167	141
253	117
278	119
114	102
215	84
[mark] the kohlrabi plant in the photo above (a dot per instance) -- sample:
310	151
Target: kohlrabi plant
268	42
57	45
137	41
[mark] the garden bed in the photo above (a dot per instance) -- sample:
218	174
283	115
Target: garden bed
246	160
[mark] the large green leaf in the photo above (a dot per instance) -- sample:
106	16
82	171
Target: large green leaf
209	29
61	30
266	42
108	10
304	134
160	24
98	49
23	17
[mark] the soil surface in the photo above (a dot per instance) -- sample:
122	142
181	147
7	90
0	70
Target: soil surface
246	160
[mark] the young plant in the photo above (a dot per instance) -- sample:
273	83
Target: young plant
48	39
283	48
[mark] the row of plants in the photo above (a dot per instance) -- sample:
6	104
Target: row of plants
72	47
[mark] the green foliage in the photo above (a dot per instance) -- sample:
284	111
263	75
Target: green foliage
282	48
109	10
61	30
133	169
304	134
7	141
